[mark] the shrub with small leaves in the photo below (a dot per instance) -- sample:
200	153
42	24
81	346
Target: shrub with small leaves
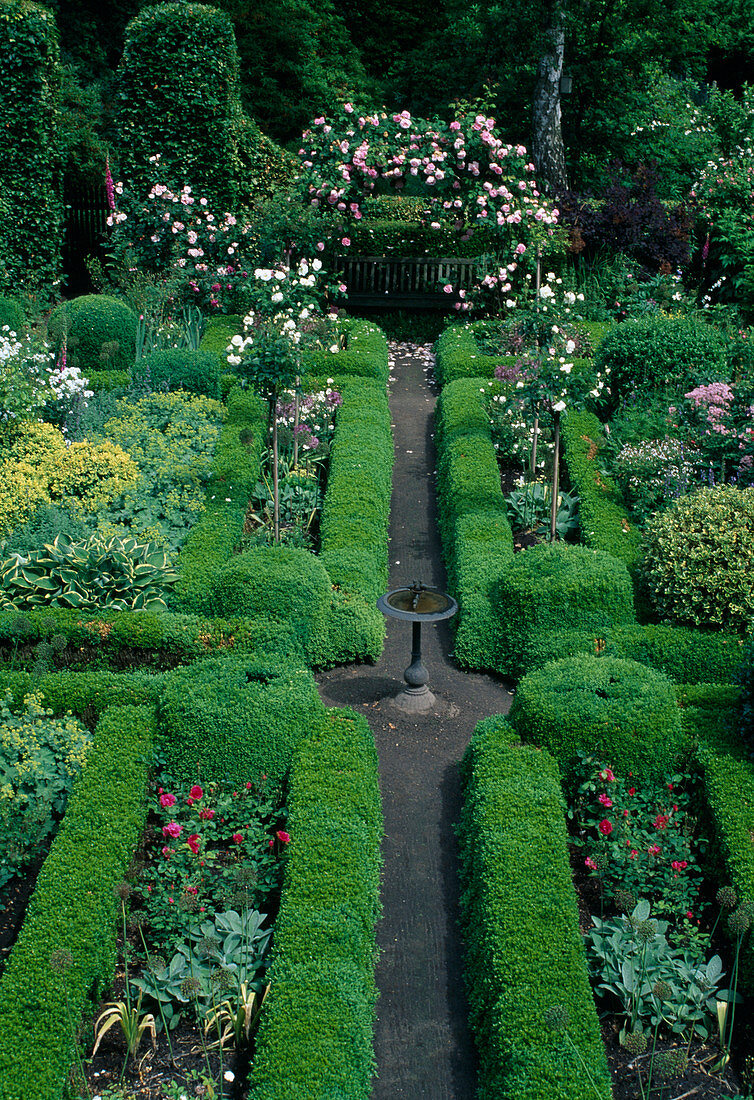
698	559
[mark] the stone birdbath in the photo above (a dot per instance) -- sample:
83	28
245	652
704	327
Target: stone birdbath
418	604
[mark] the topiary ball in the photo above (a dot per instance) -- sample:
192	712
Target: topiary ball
698	559
617	710
183	369
100	332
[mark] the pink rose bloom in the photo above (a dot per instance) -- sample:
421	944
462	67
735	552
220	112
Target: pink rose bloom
196	792
167	800
282	836
238	838
173	829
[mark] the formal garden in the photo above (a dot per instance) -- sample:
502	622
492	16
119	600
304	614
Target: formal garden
197	459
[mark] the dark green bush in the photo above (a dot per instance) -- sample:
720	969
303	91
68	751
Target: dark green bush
12	315
709	716
655	354
457	356
473	522
618	710
100	332
388	236
178	96
520	920
284	583
73	911
554	587
698	559
212	541
315	1038
685	655
605	521
236	718
173	369
31	205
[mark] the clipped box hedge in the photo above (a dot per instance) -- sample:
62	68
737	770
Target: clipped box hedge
685	655
458	356
554	586
214	538
365	355
620	711
520	920
235	718
73	909
315	1036
153	639
86	694
473	521
605	521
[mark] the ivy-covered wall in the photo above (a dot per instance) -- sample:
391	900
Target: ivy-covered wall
31	202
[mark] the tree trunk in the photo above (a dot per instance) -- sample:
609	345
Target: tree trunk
555	478
548	150
275	480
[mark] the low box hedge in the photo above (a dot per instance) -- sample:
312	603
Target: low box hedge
214	538
554	586
620	711
235	718
122	640
520	920
365	355
605	521
87	694
476	535
458	356
685	655
315	1037
73	910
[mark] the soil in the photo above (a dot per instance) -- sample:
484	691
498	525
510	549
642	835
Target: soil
14	899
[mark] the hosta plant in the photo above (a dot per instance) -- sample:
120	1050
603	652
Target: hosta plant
116	572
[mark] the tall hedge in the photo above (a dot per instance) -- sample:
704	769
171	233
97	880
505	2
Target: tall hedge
178	95
31	200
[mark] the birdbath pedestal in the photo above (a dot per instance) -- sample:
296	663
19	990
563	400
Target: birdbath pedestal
417	604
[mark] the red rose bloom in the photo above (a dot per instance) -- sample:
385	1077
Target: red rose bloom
196	792
282	836
605	827
193	843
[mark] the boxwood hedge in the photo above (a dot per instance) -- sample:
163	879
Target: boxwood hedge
72	912
315	1038
524	954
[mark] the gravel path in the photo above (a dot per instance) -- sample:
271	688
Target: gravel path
423	1045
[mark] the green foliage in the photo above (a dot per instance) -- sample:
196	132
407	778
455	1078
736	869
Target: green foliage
413	237
605	522
476	534
99	331
40	760
65	952
192	371
315	1038
213	539
172	438
31	207
151	639
709	715
458	356
101	572
365	354
355	514
282	583
685	655
524	954
87	693
658	354
239	717
618	710
652	471
24	377
218	332
12	315
729	786
178	96
698	559
556	586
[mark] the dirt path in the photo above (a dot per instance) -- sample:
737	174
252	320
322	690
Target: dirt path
423	1045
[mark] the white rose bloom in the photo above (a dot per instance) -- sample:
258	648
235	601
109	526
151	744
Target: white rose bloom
316	265
263	273
558	406
570	347
276	297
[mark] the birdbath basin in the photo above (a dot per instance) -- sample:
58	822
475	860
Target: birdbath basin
418	604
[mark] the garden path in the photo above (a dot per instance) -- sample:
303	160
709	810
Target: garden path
423	1046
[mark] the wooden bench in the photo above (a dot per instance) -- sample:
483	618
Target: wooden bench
405	282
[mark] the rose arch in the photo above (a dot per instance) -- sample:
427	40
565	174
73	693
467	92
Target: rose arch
469	177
